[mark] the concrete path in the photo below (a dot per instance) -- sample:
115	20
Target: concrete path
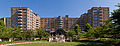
21	43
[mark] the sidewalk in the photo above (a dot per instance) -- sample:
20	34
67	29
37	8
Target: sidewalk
20	43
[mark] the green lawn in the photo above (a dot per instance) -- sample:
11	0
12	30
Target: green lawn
61	44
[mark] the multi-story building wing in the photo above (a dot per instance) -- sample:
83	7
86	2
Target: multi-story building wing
7	21
52	24
95	17
24	18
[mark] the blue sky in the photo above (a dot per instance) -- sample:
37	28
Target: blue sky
54	8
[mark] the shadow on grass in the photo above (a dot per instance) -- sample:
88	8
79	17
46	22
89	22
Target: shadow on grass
97	43
94	44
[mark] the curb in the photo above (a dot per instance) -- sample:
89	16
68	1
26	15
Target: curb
21	43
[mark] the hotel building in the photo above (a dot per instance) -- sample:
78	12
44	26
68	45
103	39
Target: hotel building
24	18
7	21
52	24
95	17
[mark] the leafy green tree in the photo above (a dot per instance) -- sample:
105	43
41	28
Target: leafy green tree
89	31
78	31
2	23
71	34
5	33
41	33
116	19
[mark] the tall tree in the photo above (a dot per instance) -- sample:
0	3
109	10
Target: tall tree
78	31
41	33
89	31
116	19
71	34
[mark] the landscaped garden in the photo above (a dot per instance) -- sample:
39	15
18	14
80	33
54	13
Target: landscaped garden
63	44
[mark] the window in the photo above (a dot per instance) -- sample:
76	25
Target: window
24	12
103	9
100	15
89	20
41	19
30	20
19	9
19	24
95	12
100	21
20	27
19	15
94	18
95	21
19	21
12	9
30	17
24	21
95	15
30	23
24	27
108	15
100	9
19	18
100	24
100	18
24	9
95	24
89	17
45	19
94	9
107	9
88	14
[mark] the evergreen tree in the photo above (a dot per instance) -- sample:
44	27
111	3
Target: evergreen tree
116	19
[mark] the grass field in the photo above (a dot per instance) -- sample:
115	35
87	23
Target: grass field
62	44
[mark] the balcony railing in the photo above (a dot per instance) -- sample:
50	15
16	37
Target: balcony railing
20	22
20	25
19	19
20	16
19	10
20	13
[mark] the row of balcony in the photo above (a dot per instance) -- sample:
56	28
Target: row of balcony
22	10
21	22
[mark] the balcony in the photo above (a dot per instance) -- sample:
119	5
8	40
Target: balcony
20	16
21	28
20	20
19	10
20	25
100	22
24	22
20	13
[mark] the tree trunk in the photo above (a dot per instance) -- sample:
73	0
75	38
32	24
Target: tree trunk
70	39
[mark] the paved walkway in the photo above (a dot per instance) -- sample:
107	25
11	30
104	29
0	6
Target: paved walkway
20	43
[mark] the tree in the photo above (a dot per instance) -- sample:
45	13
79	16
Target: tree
41	33
71	34
89	31
5	33
78	31
116	19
